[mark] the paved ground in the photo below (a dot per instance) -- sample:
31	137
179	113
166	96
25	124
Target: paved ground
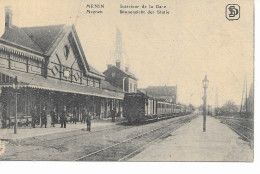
26	132
189	143
110	144
29	132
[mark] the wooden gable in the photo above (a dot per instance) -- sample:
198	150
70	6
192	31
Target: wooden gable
66	62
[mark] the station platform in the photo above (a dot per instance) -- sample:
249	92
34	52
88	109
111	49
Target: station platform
27	132
190	143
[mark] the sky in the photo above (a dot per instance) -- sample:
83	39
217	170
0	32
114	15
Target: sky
180	48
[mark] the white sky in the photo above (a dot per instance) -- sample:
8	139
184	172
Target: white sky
180	48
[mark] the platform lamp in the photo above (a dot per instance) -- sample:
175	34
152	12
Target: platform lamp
16	88
205	84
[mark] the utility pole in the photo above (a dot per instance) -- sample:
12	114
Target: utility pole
216	103
246	97
16	88
242	100
205	86
204	110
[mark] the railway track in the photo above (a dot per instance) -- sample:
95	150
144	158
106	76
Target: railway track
127	148
234	118
240	125
245	132
73	134
98	141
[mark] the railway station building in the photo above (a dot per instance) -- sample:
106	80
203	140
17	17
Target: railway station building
51	69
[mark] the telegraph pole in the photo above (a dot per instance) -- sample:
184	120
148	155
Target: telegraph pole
205	86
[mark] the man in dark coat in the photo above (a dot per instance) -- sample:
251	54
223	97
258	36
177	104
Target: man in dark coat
88	120
33	114
113	114
83	120
44	117
63	117
75	115
53	116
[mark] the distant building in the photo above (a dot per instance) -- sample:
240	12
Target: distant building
120	78
168	93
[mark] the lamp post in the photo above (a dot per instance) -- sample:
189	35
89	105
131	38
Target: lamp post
15	87
205	83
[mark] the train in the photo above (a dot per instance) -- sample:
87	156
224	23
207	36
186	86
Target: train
141	108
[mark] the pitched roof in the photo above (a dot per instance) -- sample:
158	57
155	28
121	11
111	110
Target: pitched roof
18	36
127	73
43	36
43	39
39	39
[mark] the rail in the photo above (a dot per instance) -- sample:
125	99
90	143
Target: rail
142	135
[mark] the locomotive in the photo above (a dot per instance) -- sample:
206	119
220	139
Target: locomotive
140	108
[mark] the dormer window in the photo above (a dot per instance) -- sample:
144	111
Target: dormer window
66	51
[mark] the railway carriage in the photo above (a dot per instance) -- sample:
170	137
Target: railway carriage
140	108
134	106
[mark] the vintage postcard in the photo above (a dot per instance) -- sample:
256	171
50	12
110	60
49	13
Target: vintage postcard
127	80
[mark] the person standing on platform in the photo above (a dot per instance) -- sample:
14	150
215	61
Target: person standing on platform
33	115
74	115
83	120
63	117
113	114
53	116
119	114
88	120
44	117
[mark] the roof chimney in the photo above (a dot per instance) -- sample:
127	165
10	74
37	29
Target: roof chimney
118	64
8	17
126	69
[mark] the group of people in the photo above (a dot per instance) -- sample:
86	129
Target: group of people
35	116
86	117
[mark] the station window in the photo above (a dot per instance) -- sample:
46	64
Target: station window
97	84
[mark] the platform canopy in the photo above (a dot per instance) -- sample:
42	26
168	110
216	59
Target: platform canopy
39	82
